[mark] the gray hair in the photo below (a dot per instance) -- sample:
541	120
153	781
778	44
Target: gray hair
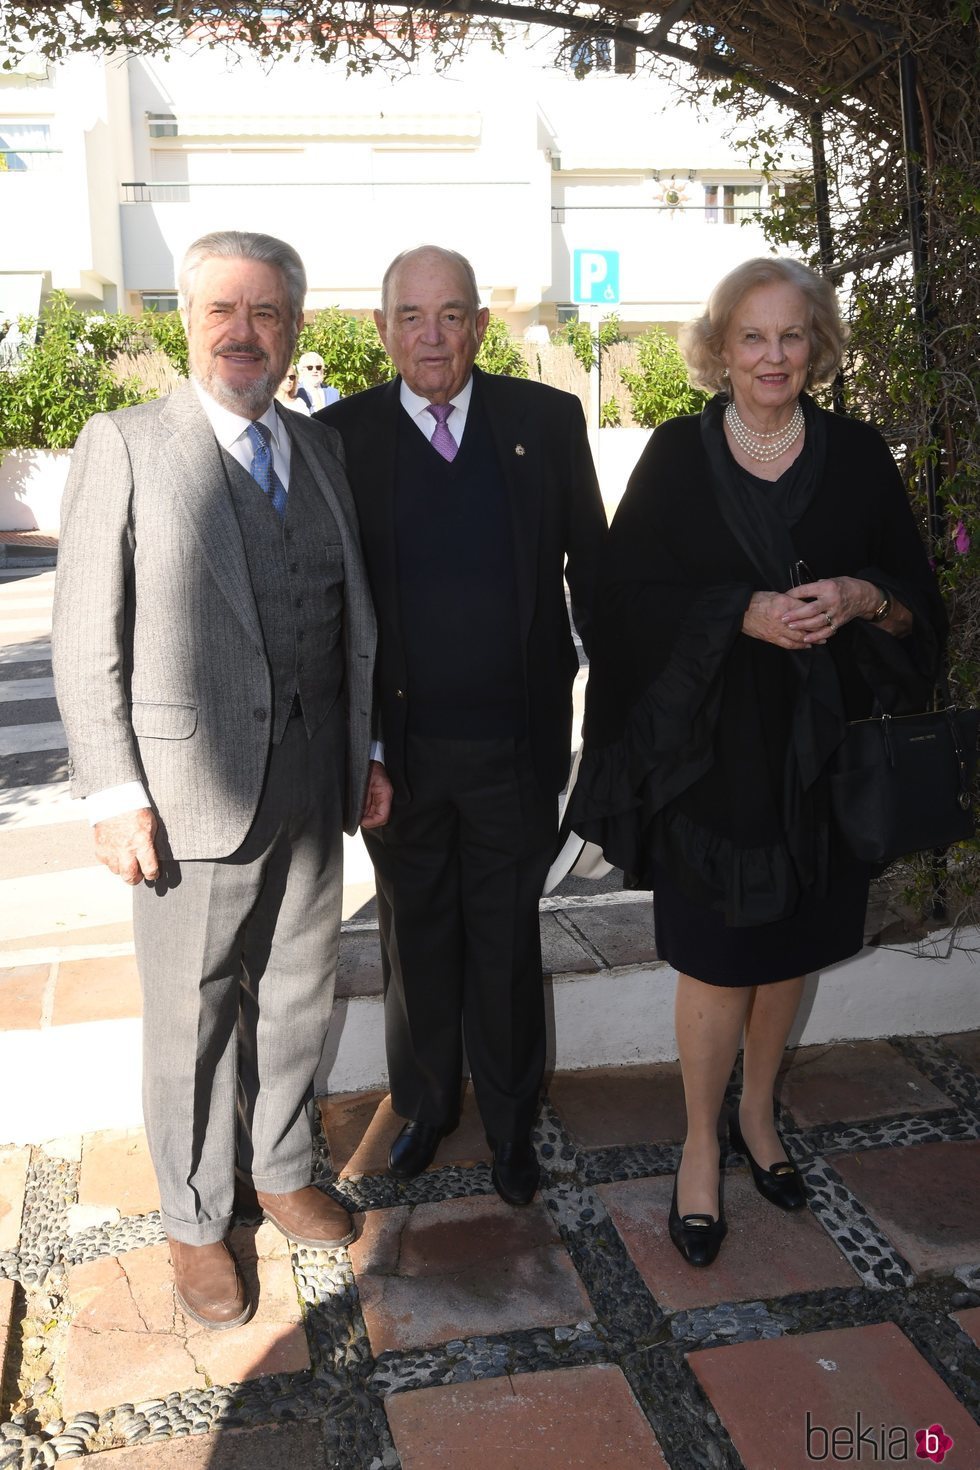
701	341
242	245
458	260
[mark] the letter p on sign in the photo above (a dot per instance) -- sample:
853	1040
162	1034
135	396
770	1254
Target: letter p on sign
596	277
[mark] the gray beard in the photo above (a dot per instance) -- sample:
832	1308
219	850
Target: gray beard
249	401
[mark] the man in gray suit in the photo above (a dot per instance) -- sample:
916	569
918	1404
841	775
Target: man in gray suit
213	656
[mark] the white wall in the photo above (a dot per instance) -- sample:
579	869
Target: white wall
31	485
61	217
375	167
468	159
352	170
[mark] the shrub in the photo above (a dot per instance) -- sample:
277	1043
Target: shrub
353	354
579	337
659	388
500	352
65	376
166	331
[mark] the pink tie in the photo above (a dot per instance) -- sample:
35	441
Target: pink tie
442	439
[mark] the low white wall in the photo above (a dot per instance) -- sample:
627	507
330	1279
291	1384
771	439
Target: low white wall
31	485
605	1021
615	455
91	1072
32	480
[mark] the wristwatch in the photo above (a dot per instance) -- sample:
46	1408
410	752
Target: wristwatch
884	607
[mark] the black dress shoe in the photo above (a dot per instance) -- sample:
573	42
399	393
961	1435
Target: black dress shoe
781	1184
414	1149
697	1237
515	1171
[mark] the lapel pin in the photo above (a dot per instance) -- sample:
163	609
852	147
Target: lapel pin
518	448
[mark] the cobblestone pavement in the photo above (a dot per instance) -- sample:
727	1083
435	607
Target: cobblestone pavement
568	1334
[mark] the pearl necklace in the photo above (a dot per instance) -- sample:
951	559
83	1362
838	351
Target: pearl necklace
763	447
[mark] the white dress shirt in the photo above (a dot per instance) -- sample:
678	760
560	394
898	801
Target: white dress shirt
231	432
418	411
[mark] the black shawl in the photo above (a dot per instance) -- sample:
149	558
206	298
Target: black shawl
706	750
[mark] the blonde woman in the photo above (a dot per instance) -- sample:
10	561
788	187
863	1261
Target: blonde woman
764	578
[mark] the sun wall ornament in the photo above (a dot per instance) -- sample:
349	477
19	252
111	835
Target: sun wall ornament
672	196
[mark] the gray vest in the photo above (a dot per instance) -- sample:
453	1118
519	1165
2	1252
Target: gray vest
296	568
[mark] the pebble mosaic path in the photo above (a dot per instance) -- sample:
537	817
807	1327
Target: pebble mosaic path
454	1324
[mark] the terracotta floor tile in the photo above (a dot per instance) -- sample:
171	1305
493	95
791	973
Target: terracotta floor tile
605	1107
969	1320
13	1178
568	1419
129	1340
360	1128
7	1291
105	989
966	1044
764	1391
22	996
766	1253
925	1197
462	1268
278	1447
116	1170
117	933
850	1081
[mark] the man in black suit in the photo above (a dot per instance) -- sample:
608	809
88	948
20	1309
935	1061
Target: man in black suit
472	491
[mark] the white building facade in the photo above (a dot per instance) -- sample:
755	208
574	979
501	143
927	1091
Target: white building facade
108	170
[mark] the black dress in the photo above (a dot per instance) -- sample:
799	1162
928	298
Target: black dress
706	752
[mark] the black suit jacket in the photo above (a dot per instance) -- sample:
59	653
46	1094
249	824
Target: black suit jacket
559	527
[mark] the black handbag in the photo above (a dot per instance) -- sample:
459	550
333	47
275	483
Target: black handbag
904	783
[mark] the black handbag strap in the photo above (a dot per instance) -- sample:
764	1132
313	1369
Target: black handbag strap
964	797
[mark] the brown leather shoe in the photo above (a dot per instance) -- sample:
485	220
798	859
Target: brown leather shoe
208	1283
308	1217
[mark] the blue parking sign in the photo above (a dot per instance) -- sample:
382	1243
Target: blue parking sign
596	277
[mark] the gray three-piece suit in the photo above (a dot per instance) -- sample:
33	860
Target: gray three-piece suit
225	659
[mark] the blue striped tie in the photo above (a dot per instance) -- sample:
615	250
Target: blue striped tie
262	471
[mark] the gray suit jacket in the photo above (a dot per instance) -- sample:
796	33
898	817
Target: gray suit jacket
158	656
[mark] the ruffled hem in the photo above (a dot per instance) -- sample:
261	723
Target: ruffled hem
748	885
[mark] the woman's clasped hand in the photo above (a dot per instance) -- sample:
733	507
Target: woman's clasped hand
811	614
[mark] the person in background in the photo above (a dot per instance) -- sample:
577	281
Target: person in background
476	496
288	395
315	393
764	579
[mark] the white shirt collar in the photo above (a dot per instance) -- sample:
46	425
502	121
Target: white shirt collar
229	427
414	405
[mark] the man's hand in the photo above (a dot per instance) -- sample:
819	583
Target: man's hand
125	845
377	797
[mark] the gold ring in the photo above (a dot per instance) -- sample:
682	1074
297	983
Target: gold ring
830	621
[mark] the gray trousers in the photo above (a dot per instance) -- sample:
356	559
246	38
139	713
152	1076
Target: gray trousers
237	960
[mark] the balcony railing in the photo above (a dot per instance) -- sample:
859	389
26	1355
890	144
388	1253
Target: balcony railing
180	193
711	214
27	160
155	193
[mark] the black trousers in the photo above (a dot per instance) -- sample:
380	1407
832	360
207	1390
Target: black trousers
459	868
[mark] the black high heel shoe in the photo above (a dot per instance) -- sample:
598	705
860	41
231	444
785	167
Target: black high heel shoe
697	1237
781	1184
